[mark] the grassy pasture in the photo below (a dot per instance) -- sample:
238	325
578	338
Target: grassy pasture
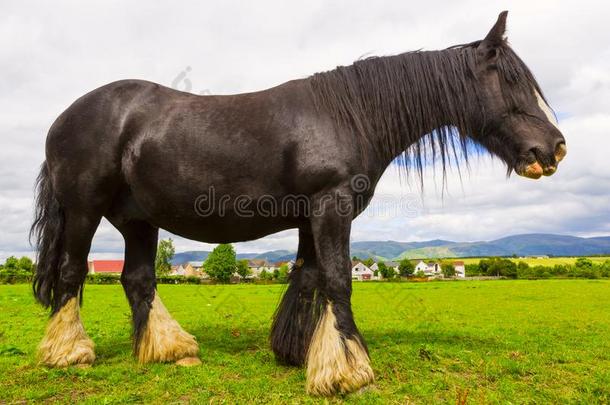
549	262
438	342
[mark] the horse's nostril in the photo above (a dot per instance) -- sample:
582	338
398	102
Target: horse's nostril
560	151
549	170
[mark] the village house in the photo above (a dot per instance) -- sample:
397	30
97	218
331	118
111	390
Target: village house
289	263
196	265
189	269
429	268
106	266
460	268
361	271
257	266
177	270
394	265
434	269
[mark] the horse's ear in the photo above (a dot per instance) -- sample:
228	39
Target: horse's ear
494	39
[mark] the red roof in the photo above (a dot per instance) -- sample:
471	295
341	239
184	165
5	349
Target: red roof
106	266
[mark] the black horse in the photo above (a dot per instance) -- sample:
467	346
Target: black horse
306	154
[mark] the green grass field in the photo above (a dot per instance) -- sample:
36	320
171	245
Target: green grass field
482	342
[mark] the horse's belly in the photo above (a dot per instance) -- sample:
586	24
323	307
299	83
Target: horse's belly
209	218
225	229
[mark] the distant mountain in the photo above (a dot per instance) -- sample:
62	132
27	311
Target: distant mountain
201	255
520	245
190	256
272	256
391	249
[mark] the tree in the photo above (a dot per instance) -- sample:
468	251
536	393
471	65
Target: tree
581	263
472	269
448	269
420	274
605	268
26	264
508	268
11	263
282	275
22	264
165	253
368	262
265	275
221	263
497	266
242	268
385	271
406	268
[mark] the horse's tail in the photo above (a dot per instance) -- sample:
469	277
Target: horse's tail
47	230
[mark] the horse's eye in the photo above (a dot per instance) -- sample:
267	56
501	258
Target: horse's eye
517	110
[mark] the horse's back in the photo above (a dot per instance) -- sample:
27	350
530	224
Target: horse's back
84	144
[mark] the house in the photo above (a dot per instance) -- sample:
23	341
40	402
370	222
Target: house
390	264
460	268
177	270
188	270
393	265
257	266
430	268
361	272
289	263
106	266
196	265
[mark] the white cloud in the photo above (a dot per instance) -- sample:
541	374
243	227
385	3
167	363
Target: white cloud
53	52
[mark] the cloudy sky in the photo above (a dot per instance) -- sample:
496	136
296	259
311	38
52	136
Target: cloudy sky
53	52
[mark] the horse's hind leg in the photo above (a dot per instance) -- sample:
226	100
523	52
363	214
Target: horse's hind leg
299	311
66	342
157	336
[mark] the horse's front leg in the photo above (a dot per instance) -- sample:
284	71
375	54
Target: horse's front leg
337	359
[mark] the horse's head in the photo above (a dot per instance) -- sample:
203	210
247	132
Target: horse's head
518	125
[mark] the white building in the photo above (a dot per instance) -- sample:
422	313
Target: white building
460	268
428	268
257	266
394	265
375	268
361	272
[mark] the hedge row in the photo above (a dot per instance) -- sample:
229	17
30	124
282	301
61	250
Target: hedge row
19	276
582	268
15	276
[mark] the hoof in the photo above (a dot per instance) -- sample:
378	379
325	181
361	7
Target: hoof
163	339
336	364
66	343
78	353
188	362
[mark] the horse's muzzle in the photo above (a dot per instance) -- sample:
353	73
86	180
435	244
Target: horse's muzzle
535	170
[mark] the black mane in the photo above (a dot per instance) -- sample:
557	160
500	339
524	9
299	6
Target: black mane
400	98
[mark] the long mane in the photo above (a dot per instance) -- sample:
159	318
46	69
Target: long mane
391	102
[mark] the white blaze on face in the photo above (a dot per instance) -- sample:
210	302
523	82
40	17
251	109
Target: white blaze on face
546	110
